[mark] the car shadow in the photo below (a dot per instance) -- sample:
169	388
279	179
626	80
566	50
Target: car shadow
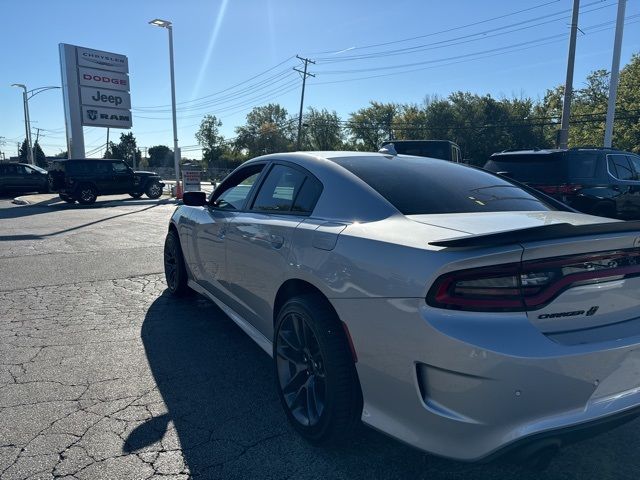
52	205
218	390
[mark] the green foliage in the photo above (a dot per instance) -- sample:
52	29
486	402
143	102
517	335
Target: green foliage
160	156
213	144
125	149
39	157
23	152
64	154
372	125
268	129
321	130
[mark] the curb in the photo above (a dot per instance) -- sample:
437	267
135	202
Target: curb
20	201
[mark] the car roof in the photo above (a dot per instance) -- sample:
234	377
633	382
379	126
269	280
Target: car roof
88	160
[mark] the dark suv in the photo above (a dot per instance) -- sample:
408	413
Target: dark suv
21	177
83	180
597	181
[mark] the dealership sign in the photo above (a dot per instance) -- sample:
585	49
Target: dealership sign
96	78
96	92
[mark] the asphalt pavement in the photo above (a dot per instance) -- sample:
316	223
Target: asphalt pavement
104	375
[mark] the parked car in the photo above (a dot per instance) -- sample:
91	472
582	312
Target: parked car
442	149
438	303
83	180
602	182
22	177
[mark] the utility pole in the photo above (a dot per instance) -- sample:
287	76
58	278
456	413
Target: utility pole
563	134
106	150
615	75
305	74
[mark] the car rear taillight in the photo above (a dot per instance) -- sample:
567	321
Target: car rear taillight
529	285
564	189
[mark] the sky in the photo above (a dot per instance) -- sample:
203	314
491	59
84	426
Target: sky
232	55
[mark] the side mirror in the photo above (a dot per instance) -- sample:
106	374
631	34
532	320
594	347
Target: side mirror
194	199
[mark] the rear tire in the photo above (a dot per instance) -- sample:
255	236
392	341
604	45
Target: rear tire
154	190
87	194
175	271
316	377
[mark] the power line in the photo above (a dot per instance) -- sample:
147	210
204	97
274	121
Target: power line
373	45
228	88
472	56
484	35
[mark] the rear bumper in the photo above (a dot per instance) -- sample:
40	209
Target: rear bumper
475	386
528	446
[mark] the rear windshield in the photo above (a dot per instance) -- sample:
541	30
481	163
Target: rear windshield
422	186
537	168
432	149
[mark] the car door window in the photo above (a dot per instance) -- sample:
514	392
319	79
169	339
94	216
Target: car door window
119	167
22	170
279	189
234	191
620	167
635	162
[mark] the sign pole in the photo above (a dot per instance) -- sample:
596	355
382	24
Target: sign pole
71	97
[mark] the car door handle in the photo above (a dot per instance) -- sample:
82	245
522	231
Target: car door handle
276	241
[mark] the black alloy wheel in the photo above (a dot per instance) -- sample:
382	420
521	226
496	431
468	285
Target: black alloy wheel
87	194
175	271
154	190
315	373
301	370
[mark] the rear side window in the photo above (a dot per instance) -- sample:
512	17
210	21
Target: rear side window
279	190
423	186
635	162
308	197
583	164
620	167
543	169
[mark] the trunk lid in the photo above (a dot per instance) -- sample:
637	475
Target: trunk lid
592	263
492	222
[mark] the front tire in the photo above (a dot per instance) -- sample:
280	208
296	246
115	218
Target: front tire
87	194
154	190
175	271
315	373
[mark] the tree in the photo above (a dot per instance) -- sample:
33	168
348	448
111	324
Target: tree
208	136
63	154
39	157
125	150
268	129
372	125
322	130
160	156
23	152
589	106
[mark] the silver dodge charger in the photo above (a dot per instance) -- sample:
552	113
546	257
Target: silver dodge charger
446	306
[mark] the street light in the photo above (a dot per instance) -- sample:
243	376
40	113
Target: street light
26	96
176	153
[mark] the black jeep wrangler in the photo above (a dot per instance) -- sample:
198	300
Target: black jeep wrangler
83	180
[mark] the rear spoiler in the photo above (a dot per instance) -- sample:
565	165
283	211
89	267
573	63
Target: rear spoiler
540	233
